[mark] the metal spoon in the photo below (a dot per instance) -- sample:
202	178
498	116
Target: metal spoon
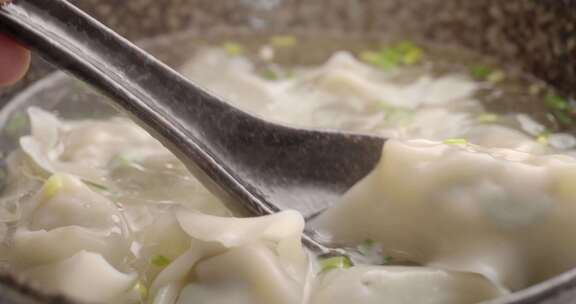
256	167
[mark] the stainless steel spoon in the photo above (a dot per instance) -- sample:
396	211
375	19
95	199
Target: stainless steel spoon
257	167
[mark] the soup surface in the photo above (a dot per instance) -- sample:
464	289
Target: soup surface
472	199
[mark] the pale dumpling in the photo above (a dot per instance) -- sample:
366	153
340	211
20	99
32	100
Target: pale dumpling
85	276
489	211
402	285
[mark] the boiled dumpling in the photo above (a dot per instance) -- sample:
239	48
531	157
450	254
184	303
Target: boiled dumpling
86	276
65	200
489	211
402	285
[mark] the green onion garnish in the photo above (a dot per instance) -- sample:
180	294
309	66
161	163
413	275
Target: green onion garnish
564	117
141	289
16	125
232	48
542	139
52	186
387	260
557	102
394	55
335	262
160	261
95	185
455	141
283	41
366	246
410	53
534	89
487	117
480	71
269	74
496	76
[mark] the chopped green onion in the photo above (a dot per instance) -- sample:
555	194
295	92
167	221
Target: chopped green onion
269	74
394	55
335	262
52	186
389	58
370	57
233	48
283	41
411	54
16	125
160	261
487	117
534	89
557	102
369	242
141	289
366	246
124	160
120	160
496	76
542	139
480	71
396	114
290	74
564	117
95	185
455	141
387	260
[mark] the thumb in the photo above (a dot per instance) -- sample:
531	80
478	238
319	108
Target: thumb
14	61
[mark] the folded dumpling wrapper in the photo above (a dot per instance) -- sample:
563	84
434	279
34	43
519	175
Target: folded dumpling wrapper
498	212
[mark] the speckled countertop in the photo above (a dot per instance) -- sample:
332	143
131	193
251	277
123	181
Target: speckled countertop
540	34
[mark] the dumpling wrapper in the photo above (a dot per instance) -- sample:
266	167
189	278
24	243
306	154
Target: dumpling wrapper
86	276
498	212
65	200
284	229
32	248
81	148
253	273
233	231
402	285
265	251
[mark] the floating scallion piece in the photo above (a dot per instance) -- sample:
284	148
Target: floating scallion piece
159	260
366	246
564	117
488	117
280	41
387	260
16	124
120	160
484	72
335	262
542	139
534	89
480	71
394	55
141	289
233	48
52	186
95	185
410	53
455	141
557	102
496	76
396	114
125	160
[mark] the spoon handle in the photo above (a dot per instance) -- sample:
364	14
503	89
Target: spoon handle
186	118
202	130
